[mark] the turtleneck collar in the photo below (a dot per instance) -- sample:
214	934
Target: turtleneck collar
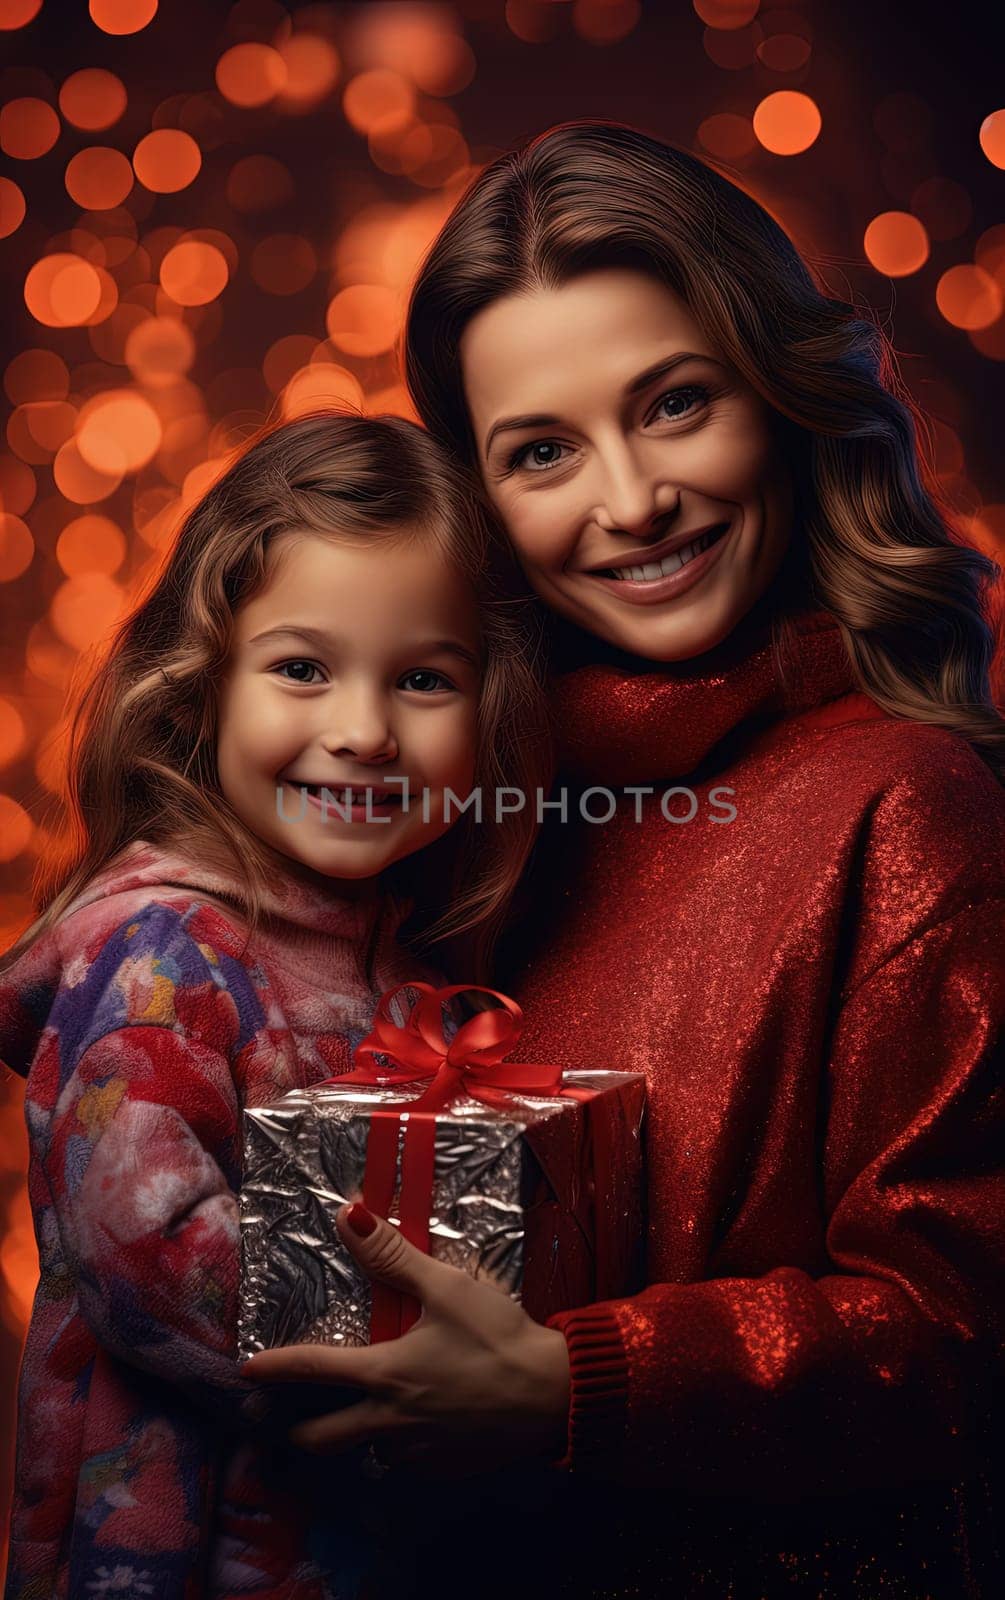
305	924
626	721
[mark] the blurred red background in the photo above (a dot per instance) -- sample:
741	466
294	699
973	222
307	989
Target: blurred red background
210	216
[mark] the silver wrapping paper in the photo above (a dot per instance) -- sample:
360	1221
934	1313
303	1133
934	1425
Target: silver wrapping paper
518	1198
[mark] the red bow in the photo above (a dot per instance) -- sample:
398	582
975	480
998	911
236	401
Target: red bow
472	1064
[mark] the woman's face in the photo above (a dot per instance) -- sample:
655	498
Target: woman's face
635	471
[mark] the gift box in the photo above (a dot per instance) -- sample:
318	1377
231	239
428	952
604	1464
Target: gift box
525	1176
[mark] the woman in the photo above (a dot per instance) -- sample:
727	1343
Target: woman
708	471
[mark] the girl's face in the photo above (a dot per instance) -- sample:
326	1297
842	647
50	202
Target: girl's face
635	472
356	664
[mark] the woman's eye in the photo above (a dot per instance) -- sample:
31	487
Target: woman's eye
530	455
678	395
424	680
536	458
308	664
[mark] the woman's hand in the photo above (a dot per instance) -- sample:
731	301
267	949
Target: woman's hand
475	1382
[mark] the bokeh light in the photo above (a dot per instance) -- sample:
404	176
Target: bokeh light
896	243
118	431
17	547
93	99
18	13
992	138
28	128
380	101
193	273
159	350
283	263
85	607
258	183
167	160
727	14
122	16
968	297
62	290
787	122
364	320
12	207
91	543
311	65
16	828
99	178
605	21
251	75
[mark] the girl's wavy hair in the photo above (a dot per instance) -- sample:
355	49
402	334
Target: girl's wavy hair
143	724
881	549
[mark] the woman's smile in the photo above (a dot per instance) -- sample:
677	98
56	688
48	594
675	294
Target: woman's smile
663	510
657	579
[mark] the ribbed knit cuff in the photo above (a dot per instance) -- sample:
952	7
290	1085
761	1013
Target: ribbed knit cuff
598	1370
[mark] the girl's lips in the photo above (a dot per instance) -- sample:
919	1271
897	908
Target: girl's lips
651	591
335	806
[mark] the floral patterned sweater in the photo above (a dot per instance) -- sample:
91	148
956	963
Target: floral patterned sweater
145	1464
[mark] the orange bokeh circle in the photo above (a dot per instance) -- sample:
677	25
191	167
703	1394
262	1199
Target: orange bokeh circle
12	207
93	98
896	243
13	733
787	122
63	290
28	128
91	543
167	160
16	828
379	101
250	74
159	350
969	297
122	16
312	68
99	178
18	13
17	547
365	319
85	607
992	138
78	481
118	430
193	273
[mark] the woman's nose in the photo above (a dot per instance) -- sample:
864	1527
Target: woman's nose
360	725
631	494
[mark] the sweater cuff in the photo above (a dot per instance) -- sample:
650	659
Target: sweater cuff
598	1372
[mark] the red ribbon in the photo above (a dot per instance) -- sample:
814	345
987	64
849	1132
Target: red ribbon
472	1064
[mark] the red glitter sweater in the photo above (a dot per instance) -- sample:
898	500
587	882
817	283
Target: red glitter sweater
815	990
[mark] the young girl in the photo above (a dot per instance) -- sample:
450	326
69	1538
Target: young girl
215	937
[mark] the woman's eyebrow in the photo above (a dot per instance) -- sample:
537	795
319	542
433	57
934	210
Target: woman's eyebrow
637	384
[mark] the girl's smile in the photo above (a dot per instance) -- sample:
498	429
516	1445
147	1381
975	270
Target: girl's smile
384	693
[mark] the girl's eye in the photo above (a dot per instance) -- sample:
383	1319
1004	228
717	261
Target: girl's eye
533	457
425	686
308	664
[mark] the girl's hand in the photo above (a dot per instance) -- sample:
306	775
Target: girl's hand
475	1382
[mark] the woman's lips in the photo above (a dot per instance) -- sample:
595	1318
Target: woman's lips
651	591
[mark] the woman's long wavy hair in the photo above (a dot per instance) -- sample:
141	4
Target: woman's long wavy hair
880	547
143	723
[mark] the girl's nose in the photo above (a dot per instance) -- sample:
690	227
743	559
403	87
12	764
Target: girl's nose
361	727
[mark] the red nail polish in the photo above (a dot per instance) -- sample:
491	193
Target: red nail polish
360	1220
